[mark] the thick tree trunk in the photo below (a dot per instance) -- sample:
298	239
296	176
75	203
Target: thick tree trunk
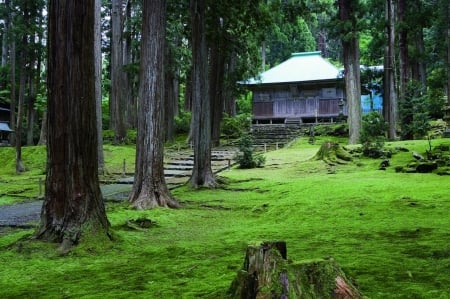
352	73
98	83
73	205
268	274
202	174
117	105
390	105
150	189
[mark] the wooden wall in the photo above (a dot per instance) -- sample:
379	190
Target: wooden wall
296	101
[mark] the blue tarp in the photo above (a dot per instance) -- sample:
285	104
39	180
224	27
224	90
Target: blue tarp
4	127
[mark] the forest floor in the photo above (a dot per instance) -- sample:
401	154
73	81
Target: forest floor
388	230
116	187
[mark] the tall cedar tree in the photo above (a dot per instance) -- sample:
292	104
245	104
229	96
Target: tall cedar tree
350	47
117	97
202	174
73	204
150	189
390	106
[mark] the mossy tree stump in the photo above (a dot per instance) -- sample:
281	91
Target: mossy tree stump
332	153
268	274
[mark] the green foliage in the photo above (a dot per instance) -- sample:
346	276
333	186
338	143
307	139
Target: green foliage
246	157
233	127
338	130
244	103
183	122
436	100
413	114
373	134
109	137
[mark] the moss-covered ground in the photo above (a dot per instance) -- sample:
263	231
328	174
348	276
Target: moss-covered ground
389	231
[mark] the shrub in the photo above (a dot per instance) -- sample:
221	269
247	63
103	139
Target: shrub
373	134
246	157
233	127
413	114
182	122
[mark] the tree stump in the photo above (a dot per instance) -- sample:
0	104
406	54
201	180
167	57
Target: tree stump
268	274
332	153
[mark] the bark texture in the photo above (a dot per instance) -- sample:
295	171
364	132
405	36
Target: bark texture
390	105
150	189
73	203
350	48
268	274
117	99
202	174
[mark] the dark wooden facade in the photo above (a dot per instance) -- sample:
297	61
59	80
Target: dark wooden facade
298	102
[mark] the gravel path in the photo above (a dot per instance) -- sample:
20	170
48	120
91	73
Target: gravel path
24	214
18	215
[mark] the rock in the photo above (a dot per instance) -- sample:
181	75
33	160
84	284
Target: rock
268	274
401	149
385	163
418	156
426	167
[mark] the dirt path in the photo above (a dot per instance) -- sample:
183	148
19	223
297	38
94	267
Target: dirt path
177	172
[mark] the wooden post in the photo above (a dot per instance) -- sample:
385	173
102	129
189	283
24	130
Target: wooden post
124	167
40	187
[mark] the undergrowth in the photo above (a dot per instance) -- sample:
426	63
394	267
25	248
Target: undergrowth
389	231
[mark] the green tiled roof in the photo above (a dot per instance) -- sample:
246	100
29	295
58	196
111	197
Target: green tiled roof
300	67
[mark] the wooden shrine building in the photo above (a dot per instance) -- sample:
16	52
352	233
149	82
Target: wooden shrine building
306	88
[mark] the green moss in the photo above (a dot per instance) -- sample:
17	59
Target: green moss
388	230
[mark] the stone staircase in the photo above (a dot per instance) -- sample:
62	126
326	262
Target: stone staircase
267	137
178	166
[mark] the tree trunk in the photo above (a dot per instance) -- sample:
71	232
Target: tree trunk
13	101
228	91
150	189
202	174
403	49
448	54
20	105
170	95
117	105
22	82
420	74
130	103
73	204
352	72
268	274
31	112
98	82
5	41
43	134
216	77
390	105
